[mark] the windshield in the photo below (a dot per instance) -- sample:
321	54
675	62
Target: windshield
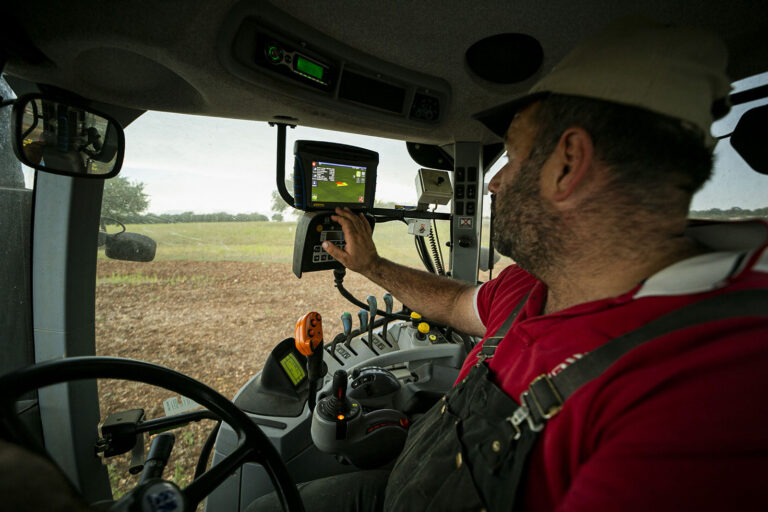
220	293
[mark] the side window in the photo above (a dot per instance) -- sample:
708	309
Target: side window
735	190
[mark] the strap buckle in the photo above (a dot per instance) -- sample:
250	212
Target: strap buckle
545	396
522	415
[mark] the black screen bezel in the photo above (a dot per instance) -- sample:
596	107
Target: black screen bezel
308	151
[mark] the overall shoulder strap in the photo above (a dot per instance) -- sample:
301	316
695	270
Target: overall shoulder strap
545	395
491	342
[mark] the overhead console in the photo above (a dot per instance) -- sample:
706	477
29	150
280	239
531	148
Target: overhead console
263	42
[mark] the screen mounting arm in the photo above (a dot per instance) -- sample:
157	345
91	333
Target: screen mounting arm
280	170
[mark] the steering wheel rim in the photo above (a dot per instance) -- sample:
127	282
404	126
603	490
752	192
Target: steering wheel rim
253	445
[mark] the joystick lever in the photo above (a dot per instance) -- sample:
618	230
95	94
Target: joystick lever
339	404
340	391
309	341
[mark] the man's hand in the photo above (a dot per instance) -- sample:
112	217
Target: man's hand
360	252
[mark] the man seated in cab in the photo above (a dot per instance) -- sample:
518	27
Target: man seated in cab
605	153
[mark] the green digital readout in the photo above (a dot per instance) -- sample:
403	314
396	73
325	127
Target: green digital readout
293	369
309	68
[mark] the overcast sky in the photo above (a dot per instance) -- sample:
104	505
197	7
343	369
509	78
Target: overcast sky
205	164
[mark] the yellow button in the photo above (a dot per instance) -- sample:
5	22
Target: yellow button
319	228
432	337
415	315
423	328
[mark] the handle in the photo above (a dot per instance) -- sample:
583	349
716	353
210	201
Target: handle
346	322
389	303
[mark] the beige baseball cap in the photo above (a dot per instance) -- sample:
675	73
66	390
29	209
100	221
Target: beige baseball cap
675	71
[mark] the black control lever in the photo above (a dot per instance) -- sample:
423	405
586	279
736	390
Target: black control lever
371	300
340	404
389	305
340	391
159	452
137	455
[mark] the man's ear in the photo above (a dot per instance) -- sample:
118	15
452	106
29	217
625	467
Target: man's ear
569	165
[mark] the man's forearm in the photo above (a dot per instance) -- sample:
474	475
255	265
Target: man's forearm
438	298
442	299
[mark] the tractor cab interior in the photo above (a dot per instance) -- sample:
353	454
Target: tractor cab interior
332	394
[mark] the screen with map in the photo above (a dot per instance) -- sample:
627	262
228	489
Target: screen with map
338	183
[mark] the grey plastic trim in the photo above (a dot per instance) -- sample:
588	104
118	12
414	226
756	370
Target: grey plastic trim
66	219
465	246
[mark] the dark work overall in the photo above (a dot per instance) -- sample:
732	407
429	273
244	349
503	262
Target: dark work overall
470	451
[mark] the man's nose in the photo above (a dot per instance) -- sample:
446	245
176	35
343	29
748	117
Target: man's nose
493	185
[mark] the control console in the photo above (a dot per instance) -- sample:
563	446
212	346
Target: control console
367	439
312	230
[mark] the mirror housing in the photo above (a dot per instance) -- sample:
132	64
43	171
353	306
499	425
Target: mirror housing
60	136
748	138
129	247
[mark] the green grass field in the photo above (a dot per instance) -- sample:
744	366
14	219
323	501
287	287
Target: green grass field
264	241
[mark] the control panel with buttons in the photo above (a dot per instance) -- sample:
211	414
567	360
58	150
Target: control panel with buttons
312	230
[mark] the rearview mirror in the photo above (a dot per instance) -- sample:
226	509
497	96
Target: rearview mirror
61	137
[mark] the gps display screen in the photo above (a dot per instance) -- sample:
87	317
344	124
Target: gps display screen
338	183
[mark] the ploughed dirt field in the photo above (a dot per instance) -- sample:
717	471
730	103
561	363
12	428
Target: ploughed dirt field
214	321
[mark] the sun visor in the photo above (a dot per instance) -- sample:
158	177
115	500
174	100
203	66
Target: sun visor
497	119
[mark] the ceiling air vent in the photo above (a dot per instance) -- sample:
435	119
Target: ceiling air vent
505	58
425	107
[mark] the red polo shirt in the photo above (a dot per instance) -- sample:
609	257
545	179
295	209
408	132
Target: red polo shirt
679	423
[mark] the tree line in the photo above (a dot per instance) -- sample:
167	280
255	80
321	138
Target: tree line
126	202
730	213
171	218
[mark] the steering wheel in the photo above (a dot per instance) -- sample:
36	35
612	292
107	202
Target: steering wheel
252	444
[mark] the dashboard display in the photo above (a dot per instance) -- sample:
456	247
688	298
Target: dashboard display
293	369
338	183
327	175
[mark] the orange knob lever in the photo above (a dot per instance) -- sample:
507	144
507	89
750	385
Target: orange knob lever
309	333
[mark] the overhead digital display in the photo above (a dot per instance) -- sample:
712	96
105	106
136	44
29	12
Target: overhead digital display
309	68
338	183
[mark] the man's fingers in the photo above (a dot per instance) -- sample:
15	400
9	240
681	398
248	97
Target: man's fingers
366	226
333	251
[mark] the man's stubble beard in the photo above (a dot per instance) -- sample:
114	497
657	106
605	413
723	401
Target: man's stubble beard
525	228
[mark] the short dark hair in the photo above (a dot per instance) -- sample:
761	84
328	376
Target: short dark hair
646	152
